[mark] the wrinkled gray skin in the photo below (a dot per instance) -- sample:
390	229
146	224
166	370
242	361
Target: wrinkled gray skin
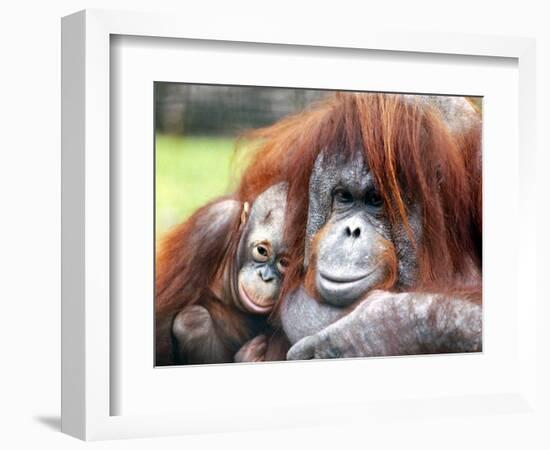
302	315
346	321
250	283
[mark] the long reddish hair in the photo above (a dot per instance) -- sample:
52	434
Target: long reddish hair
414	156
189	257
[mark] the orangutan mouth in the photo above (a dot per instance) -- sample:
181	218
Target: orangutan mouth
343	280
250	304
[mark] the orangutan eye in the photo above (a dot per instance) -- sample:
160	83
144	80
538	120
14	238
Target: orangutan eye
373	199
260	253
282	265
343	196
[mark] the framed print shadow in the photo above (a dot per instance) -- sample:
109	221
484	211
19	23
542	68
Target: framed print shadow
257	247
300	224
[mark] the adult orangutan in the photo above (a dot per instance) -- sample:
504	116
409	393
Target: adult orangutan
218	276
355	251
394	202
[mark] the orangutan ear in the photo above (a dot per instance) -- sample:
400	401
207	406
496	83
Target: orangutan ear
244	213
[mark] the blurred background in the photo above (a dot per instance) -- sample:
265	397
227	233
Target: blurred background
197	127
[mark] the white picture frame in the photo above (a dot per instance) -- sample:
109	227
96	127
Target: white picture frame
87	240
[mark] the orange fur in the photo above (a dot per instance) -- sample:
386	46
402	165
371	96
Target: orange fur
188	265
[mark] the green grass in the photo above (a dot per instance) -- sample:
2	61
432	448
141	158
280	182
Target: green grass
189	173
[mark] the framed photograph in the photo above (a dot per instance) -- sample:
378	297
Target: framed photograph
263	229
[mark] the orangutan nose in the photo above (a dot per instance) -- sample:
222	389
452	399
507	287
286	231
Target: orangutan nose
266	274
353	227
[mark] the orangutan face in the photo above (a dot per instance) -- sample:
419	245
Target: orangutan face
262	252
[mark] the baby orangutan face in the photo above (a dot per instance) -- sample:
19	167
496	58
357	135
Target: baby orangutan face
261	254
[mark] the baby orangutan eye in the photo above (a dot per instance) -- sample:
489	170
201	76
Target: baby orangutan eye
282	265
260	253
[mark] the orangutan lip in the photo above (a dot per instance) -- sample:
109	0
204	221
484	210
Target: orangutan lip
250	304
337	279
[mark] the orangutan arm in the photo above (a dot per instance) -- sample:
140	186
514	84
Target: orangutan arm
389	324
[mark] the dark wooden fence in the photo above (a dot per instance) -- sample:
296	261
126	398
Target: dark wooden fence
194	109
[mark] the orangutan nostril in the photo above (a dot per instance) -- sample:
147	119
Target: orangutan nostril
356	232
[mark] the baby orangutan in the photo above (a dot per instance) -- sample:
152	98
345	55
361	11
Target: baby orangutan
219	277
